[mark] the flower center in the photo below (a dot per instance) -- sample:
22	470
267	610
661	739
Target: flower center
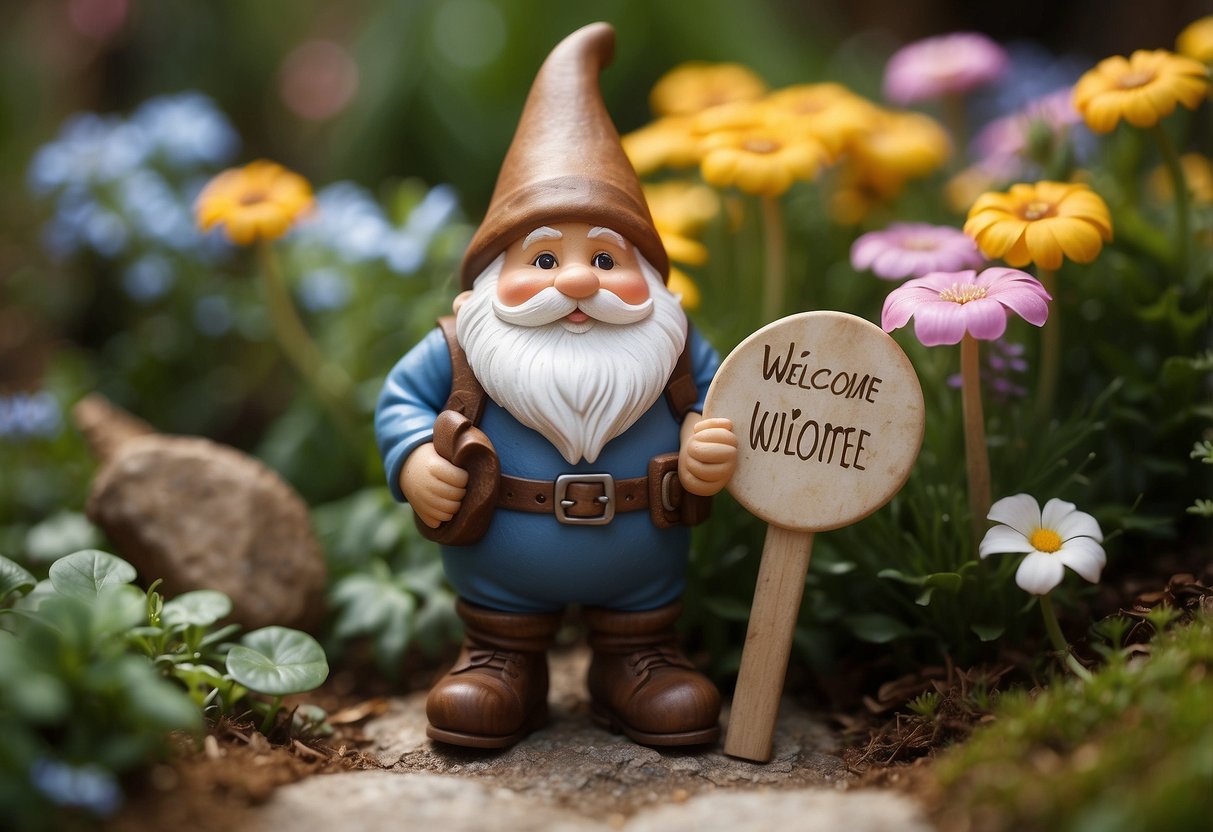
761	145
253	197
962	293
1045	540
1037	210
920	244
1135	79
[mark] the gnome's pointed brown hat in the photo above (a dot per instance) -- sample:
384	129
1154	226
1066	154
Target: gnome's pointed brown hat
565	163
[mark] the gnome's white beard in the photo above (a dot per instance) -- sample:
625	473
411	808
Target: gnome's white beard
579	387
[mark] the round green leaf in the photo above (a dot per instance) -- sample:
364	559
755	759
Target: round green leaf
60	534
83	574
14	578
200	608
278	661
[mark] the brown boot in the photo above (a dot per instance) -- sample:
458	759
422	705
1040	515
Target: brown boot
497	692
642	684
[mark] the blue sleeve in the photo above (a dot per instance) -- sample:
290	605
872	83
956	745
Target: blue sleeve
704	364
413	394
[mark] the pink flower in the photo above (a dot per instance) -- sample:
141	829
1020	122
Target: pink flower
1004	143
943	65
912	249
947	305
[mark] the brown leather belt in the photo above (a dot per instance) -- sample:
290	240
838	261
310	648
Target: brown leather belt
576	499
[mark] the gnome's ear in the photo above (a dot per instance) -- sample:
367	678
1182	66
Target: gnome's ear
566	163
460	300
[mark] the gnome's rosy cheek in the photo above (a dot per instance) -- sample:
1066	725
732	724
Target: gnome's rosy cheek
627	282
517	285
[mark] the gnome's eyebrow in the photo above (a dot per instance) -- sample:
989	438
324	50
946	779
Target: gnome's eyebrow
613	236
543	232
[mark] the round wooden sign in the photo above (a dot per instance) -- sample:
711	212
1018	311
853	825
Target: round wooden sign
829	418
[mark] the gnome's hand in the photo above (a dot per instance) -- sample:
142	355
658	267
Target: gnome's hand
708	456
433	486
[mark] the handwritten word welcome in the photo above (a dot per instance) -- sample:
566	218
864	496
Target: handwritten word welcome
848	385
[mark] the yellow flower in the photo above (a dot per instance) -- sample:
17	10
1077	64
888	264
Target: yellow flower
683	249
1196	41
828	112
1040	223
761	160
1198	175
681	207
681	284
1141	89
895	147
667	142
695	86
259	201
736	115
853	199
962	190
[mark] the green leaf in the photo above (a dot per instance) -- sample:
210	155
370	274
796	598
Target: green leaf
901	577
116	609
988	632
220	635
14	578
875	627
200	608
369	602
60	534
28	691
157	701
835	567
83	574
278	661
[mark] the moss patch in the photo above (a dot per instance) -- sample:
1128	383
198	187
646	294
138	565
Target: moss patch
1131	750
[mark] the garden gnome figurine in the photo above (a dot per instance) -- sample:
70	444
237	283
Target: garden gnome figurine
550	435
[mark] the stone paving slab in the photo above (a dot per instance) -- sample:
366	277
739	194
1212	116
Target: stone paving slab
574	776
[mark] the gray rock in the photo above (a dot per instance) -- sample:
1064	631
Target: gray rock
381	800
574	776
202	515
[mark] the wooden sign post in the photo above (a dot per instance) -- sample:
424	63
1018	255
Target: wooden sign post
829	418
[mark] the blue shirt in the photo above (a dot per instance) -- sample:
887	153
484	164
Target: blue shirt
532	562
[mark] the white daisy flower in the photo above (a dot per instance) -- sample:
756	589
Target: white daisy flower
1053	539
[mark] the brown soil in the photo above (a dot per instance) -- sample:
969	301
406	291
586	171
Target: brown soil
211	785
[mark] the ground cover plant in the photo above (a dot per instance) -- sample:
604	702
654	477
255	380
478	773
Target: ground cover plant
98	673
1036	232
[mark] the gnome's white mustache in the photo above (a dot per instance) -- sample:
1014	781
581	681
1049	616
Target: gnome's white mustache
551	305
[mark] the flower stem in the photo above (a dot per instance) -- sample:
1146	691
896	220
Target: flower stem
1050	351
1171	159
775	239
329	382
957	120
1059	641
977	457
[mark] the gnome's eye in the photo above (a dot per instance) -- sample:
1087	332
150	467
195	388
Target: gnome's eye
547	260
604	261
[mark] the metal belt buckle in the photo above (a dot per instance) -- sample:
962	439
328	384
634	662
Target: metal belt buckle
607	500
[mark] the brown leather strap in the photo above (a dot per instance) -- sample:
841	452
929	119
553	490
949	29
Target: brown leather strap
539	496
467	396
681	392
456	439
